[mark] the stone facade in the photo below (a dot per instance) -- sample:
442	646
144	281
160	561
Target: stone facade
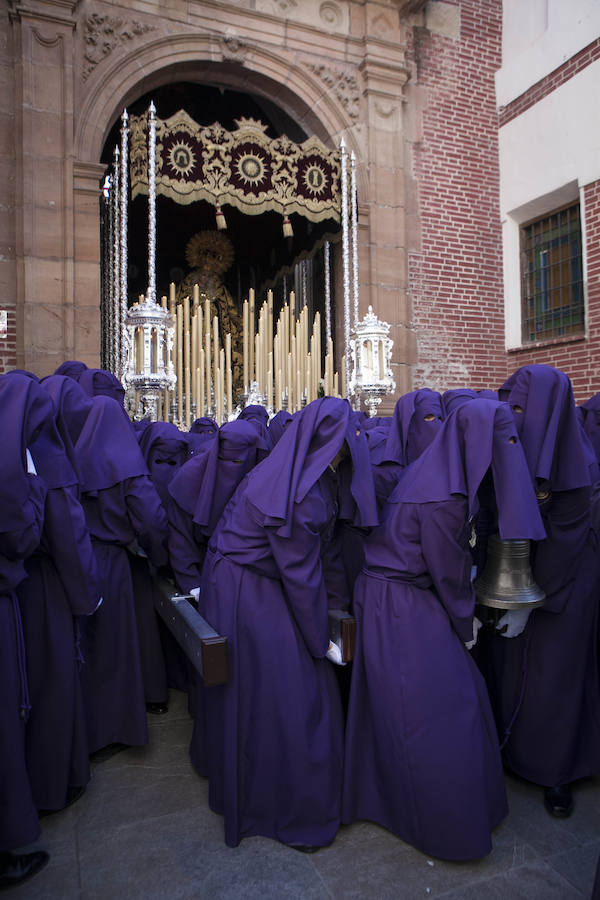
409	84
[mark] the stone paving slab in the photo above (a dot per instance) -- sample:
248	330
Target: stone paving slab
143	829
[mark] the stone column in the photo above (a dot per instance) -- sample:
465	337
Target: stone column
43	134
384	271
87	179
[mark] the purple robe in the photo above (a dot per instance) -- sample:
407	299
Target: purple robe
22	412
72	368
200	492
257	416
278	424
276	740
590	417
62	583
99	382
422	754
546	680
122	509
165	449
416	420
202	430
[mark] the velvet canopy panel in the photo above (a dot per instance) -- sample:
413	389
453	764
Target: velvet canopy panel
243	168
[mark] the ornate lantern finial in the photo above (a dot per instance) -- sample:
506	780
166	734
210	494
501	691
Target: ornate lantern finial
372	357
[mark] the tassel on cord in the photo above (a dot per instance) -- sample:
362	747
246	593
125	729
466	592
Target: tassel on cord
288	231
221	222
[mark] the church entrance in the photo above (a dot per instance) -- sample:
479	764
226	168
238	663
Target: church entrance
257	252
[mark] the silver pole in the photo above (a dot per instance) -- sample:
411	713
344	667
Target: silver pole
354	236
109	267
151	292
326	250
345	261
124	342
115	315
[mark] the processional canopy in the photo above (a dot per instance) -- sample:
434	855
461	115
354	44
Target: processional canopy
243	168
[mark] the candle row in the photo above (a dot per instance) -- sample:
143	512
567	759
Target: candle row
281	360
202	365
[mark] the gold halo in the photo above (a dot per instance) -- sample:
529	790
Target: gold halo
210	246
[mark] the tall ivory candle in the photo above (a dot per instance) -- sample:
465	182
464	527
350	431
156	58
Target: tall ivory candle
251	342
228	384
245	334
202	391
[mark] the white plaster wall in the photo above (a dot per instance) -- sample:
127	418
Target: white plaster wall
540	35
547	155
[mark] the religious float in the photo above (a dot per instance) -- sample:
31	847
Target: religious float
190	353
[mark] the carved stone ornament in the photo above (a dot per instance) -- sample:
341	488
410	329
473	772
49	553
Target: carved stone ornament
233	47
103	33
343	85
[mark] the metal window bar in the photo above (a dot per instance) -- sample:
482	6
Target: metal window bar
551	276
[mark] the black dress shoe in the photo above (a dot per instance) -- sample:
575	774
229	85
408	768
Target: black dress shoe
17	868
558	801
157	709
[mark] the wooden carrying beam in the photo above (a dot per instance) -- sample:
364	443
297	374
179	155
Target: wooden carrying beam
206	650
342	628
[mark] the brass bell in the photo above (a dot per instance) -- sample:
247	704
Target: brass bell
506	581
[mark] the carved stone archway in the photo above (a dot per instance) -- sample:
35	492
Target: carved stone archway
333	82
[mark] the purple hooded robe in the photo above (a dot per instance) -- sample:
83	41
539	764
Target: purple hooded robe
555	737
62	583
122	509
99	382
165	449
23	412
278	424
416	421
71	368
276	730
422	755
198	495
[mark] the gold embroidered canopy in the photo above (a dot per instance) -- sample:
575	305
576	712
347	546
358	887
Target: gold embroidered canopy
243	168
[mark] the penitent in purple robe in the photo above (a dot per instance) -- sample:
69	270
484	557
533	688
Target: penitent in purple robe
553	711
198	495
121	508
200	492
165	449
276	730
62	583
422	754
22	413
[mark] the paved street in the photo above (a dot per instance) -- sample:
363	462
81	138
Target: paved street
144	830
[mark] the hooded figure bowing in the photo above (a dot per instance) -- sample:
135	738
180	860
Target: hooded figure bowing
276	729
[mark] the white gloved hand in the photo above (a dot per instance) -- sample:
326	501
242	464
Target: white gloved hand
31	469
476	626
515	621
195	592
334	654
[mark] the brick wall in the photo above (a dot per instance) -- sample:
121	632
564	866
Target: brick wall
580	359
455	267
8	344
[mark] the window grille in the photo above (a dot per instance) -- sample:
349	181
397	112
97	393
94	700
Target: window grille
552	276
